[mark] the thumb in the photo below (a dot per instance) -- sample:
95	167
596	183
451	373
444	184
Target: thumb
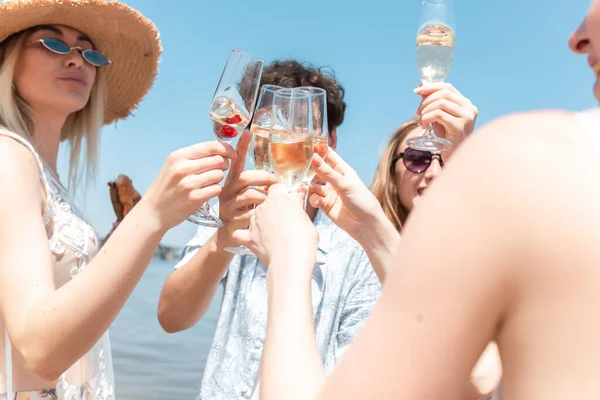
316	200
242	237
238	164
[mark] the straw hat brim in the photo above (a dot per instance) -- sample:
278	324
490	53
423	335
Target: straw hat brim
121	33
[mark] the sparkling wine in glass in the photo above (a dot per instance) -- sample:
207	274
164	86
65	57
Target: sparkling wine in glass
291	144
230	111
435	51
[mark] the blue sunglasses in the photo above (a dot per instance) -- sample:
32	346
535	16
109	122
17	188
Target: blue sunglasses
57	46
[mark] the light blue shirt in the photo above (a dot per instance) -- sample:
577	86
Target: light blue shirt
344	291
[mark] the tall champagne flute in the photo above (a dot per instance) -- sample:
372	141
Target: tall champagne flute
435	51
259	143
230	111
320	130
291	145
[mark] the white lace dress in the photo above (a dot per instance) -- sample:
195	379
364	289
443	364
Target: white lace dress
73	243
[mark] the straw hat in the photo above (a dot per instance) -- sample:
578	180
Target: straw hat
121	33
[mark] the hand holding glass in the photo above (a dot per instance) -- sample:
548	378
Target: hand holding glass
435	51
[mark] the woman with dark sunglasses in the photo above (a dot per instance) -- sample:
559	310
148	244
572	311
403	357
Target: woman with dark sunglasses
403	173
68	67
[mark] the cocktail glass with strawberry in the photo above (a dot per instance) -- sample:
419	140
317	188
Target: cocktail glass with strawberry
231	110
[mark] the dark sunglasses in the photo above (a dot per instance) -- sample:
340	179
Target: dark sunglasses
57	46
416	161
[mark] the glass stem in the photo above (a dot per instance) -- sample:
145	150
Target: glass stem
429	132
305	197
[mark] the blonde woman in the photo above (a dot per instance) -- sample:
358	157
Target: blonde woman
505	248
404	175
66	68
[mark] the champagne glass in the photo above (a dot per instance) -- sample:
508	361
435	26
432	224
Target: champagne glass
259	143
291	145
230	111
292	140
320	130
435	50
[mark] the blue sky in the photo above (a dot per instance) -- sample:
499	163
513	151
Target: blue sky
511	55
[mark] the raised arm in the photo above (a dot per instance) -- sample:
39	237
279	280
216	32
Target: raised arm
189	291
46	330
351	205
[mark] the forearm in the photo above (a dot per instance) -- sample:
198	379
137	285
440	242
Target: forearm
75	316
189	291
381	241
292	367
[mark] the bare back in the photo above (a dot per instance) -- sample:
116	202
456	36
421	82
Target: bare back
550	338
505	246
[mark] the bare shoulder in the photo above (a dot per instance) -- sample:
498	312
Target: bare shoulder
532	119
19	175
517	147
533	172
15	154
538	171
521	130
509	182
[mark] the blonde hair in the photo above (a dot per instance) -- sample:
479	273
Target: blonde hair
81	129
384	186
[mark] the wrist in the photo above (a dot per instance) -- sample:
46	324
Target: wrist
289	296
223	236
149	217
291	266
379	235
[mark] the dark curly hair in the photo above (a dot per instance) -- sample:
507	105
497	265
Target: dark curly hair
291	73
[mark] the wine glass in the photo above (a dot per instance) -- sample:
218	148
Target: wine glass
291	145
435	50
259	143
320	130
230	111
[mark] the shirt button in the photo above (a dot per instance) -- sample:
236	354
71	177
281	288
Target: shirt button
258	344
